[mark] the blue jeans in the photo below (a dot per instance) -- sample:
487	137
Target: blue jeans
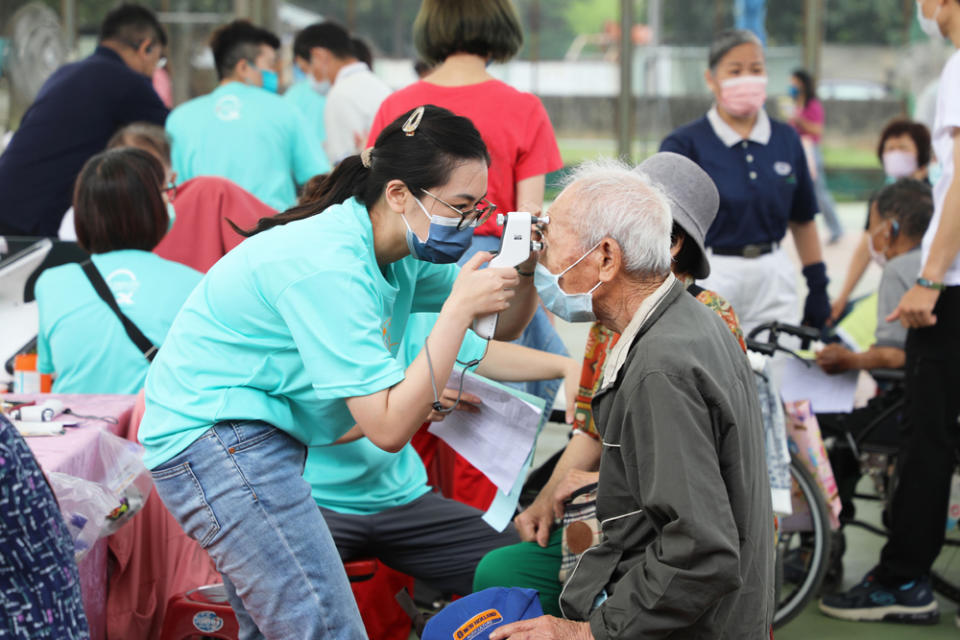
240	493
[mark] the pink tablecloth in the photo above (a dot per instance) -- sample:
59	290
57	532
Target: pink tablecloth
76	453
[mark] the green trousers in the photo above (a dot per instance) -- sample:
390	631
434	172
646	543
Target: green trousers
527	565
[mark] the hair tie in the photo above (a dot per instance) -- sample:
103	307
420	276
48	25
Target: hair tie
410	126
366	157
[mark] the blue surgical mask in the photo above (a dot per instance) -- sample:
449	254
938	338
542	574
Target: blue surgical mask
572	307
793	92
271	82
172	215
444	244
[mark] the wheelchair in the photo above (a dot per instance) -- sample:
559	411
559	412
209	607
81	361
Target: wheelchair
864	443
804	538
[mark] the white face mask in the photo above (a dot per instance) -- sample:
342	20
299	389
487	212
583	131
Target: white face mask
320	86
929	25
876	256
572	307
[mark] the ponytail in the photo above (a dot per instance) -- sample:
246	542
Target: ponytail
421	157
346	181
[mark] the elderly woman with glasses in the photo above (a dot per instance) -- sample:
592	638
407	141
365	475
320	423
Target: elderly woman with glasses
683	498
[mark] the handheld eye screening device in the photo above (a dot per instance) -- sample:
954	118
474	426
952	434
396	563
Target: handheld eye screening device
515	247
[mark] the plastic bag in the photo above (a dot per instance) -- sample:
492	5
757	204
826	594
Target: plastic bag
116	488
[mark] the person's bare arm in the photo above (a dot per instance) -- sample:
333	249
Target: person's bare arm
916	307
835	358
530	193
390	417
807	240
859	262
510	362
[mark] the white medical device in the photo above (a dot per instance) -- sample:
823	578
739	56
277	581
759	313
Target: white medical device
515	247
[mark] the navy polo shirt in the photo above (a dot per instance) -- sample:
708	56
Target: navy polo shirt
77	110
763	180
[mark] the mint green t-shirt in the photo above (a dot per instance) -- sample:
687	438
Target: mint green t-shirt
310	104
361	478
284	329
81	339
248	135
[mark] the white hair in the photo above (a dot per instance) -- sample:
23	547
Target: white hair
617	202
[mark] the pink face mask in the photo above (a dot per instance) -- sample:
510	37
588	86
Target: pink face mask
899	164
743	96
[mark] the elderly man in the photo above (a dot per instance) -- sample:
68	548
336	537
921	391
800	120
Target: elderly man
683	497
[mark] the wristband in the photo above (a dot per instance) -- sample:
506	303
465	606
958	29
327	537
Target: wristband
930	284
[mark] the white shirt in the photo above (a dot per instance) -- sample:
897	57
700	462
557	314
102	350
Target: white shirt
352	103
948	118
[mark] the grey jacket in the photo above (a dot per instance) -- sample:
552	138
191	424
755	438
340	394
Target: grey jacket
683	498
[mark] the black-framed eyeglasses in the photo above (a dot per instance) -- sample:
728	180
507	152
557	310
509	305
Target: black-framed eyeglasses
171	190
473	217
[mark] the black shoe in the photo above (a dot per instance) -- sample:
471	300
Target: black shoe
911	603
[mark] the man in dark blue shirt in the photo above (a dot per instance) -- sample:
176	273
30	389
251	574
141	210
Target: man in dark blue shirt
77	110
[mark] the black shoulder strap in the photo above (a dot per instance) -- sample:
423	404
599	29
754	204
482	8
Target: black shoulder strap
694	289
147	348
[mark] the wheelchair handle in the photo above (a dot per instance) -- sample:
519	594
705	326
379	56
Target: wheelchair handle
774	329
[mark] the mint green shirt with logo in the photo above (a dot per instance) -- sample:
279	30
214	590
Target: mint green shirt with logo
81	339
250	136
284	329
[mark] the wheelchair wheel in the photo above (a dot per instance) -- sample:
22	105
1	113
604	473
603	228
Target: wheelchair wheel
803	547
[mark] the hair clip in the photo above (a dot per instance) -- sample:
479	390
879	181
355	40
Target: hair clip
366	157
410	126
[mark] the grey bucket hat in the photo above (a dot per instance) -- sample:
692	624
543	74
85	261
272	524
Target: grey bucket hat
693	197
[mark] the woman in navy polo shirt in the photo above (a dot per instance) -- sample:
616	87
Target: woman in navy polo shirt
760	170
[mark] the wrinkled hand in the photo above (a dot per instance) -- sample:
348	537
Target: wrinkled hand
478	292
835	358
533	524
915	310
543	628
575	479
468	402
